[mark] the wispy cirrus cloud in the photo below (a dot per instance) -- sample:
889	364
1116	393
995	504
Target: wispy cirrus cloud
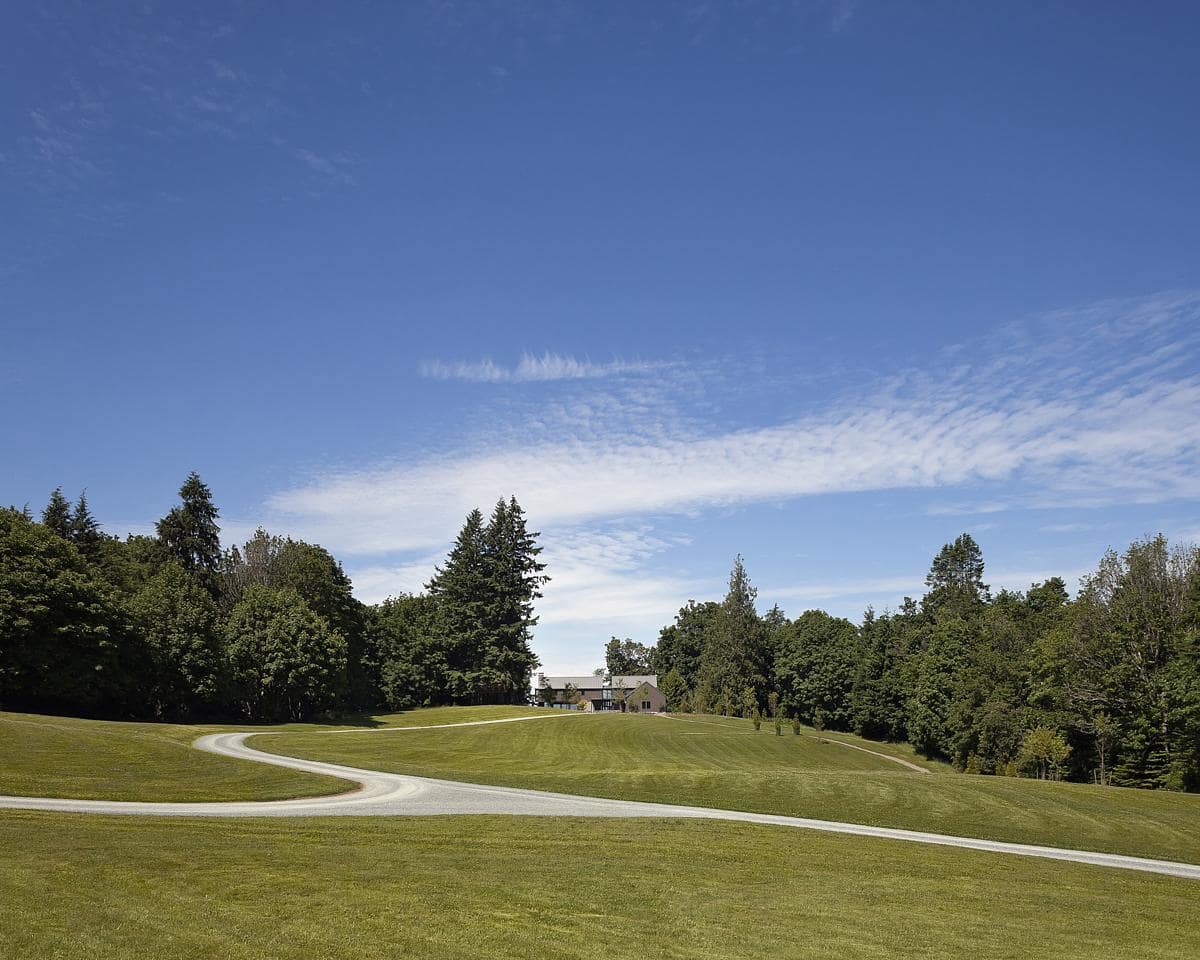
535	368
1025	436
1096	407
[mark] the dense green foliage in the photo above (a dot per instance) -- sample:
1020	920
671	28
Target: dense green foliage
483	610
627	658
1105	688
172	627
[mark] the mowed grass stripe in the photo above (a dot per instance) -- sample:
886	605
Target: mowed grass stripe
649	758
101	888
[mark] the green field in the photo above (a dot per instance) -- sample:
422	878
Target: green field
466	887
726	764
76	886
105	760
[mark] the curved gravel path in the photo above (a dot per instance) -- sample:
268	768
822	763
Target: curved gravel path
393	794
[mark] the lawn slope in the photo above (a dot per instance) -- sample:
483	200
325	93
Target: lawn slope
101	760
726	764
44	756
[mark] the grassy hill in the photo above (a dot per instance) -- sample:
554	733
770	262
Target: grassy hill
101	760
107	760
78	886
724	763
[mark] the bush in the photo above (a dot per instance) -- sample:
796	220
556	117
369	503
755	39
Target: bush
756	719
796	725
778	726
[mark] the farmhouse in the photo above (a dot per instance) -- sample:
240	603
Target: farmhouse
601	692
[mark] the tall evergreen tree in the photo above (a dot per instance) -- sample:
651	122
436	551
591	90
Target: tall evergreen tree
736	652
461	590
516	577
57	515
955	577
191	534
85	531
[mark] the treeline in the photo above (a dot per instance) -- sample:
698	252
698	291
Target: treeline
173	627
1104	688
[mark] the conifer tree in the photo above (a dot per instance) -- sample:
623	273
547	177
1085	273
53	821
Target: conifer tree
736	653
460	589
190	532
85	531
515	576
57	515
955	577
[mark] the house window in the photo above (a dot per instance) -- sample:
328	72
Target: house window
645	704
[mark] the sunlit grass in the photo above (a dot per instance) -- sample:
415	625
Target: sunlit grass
468	887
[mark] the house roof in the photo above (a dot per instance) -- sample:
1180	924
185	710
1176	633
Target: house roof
597	683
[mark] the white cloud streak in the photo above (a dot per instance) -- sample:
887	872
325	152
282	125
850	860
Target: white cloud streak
1135	444
533	368
1101	412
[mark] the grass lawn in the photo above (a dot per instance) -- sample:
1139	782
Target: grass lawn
725	764
102	760
466	887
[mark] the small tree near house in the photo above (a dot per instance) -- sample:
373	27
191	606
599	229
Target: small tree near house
749	703
1105	730
1042	753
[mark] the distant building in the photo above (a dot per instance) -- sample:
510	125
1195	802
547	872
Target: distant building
601	693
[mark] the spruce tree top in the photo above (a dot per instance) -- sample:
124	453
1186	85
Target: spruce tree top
84	528
190	531
57	515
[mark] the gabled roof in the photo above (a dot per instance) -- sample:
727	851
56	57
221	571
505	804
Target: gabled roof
597	683
630	682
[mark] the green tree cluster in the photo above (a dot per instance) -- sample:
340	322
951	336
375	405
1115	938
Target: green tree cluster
172	627
1104	688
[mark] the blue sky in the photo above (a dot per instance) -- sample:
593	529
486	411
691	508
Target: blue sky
824	283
